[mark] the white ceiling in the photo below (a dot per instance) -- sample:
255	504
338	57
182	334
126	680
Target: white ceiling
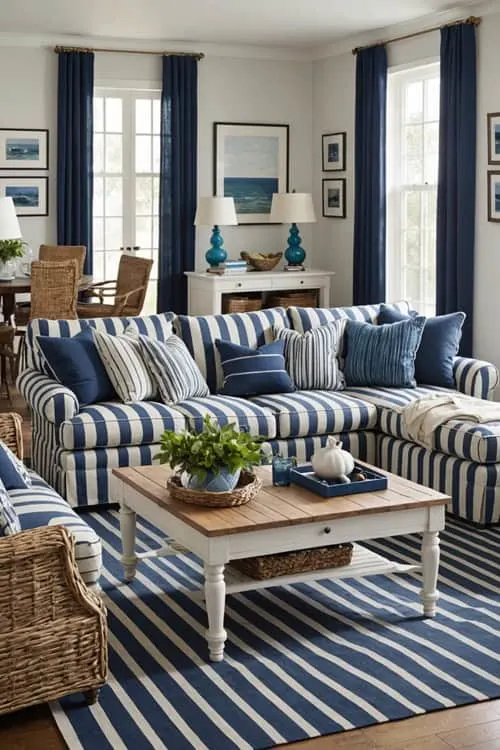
304	23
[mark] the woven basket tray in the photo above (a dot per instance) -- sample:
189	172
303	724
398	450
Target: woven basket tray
238	304
289	563
248	487
295	299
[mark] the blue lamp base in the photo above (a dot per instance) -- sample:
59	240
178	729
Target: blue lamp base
295	253
216	255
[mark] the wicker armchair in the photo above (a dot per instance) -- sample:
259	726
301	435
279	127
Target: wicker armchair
64	252
53	631
129	291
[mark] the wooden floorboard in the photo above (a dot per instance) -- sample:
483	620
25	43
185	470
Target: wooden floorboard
475	727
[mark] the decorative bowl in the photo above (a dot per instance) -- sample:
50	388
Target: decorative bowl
262	261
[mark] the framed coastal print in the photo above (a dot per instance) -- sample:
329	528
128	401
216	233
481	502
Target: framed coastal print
493	196
333	156
334	191
30	194
494	138
24	149
250	164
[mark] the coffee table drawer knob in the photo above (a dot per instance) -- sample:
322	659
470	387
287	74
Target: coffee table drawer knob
327	529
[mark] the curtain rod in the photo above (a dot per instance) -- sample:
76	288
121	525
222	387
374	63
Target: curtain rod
472	19
198	55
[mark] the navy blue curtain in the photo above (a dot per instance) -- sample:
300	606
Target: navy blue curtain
370	176
178	174
75	151
457	176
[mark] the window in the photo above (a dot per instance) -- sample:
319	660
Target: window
126	180
412	170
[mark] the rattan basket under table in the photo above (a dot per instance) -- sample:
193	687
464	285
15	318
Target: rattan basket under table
290	563
248	487
303	298
241	303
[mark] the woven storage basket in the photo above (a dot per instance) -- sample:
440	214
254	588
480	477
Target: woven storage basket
248	487
295	299
266	263
289	563
241	304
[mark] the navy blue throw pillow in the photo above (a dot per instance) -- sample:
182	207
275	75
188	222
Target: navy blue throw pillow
438	346
76	364
254	372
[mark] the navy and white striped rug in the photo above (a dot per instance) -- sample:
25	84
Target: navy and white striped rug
301	661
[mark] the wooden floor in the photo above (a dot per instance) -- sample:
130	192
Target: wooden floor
475	727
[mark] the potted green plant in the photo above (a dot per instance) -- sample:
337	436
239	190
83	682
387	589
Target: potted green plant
212	459
9	251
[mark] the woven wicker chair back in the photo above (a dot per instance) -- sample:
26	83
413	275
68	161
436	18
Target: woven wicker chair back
64	252
133	273
54	288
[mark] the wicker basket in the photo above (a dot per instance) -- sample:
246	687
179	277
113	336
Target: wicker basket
264	263
304	298
241	303
248	487
290	563
11	432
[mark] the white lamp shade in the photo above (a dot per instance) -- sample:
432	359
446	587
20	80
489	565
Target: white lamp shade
290	208
215	210
9	223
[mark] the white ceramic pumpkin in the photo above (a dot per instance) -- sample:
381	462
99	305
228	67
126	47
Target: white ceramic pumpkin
331	462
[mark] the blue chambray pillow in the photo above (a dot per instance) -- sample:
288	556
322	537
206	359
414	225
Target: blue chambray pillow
13	473
9	520
254	372
382	355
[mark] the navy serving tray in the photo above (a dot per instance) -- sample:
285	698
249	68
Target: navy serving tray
305	476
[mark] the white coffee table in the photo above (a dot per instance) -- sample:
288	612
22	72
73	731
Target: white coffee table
280	519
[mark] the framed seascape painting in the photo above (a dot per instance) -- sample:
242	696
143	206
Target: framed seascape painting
333	152
494	138
334	191
493	196
250	164
24	149
30	194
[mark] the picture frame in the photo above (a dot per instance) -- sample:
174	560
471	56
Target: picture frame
24	148
30	194
333	151
494	195
251	162
334	198
493	119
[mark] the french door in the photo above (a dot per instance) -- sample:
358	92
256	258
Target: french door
126	181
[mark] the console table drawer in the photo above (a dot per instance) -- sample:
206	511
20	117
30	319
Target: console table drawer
245	285
294	284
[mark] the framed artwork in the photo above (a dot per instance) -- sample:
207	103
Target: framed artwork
250	164
333	152
30	194
334	200
494	138
493	196
24	149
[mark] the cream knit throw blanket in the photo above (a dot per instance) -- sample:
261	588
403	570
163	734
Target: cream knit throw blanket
423	416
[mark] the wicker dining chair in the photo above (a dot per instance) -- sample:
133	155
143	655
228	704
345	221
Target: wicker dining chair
64	252
129	291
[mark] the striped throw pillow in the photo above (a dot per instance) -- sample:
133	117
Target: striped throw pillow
254	372
125	366
175	372
382	355
9	520
312	357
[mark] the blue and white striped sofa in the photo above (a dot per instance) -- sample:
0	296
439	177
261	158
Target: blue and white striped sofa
75	449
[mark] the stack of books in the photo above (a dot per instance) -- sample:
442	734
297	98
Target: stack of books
230	266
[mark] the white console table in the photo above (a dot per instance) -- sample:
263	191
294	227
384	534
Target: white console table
206	290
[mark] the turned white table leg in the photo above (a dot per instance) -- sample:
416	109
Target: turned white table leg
127	529
215	599
430	566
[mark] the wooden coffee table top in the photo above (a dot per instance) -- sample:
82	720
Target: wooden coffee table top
278	506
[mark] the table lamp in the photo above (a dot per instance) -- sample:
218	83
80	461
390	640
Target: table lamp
293	208
215	211
9	230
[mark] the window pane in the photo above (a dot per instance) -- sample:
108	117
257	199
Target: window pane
150	300
413	142
143	231
429	206
413	102
98	114
156	230
156	195
412	210
414	172
114	196
156	116
111	264
113	234
412	284
143	153
412	248
432	99
98	153
156	155
114	159
98	207
143	116
113	115
431	139
144	196
98	261
98	234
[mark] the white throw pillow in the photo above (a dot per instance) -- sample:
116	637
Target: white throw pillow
124	363
312	358
177	375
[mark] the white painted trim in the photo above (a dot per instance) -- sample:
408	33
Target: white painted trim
422	63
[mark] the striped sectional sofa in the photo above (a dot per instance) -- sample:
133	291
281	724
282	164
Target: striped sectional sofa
75	449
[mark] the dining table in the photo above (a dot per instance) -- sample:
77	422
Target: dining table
22	285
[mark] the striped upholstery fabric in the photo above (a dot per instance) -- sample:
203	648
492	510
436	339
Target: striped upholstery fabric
306	413
302	319
312	357
244	414
176	374
125	366
110	425
469	440
42	506
247	329
157	327
361	444
475	377
474	488
46	397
